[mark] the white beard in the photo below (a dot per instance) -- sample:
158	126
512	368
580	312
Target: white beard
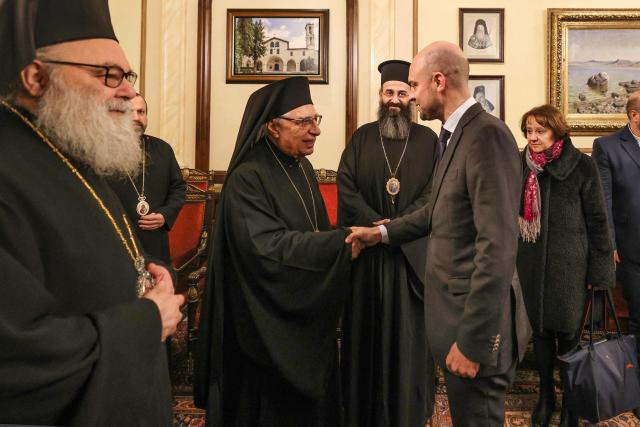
80	125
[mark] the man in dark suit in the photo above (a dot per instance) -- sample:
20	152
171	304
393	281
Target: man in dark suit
475	317
618	159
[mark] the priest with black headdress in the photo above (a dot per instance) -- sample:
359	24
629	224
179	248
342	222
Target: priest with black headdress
83	312
278	276
385	173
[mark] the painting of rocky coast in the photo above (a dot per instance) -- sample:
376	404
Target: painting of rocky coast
604	68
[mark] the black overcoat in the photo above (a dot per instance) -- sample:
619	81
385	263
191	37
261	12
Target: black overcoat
573	249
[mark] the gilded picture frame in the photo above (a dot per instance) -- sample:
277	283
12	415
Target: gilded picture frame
289	42
593	65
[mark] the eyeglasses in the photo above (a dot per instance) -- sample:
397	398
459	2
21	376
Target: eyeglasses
304	121
113	74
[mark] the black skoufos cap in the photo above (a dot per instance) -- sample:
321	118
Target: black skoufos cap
394	69
26	25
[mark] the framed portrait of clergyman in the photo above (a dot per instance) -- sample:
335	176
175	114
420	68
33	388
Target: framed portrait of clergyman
488	91
481	34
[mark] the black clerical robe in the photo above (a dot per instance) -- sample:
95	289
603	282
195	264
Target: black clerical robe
76	345
388	371
164	190
284	288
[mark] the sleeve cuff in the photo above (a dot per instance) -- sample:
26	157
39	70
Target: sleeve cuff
384	235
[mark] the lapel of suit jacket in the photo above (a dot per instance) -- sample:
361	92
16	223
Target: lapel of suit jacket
630	145
443	164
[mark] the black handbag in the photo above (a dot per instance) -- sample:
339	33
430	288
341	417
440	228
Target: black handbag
602	378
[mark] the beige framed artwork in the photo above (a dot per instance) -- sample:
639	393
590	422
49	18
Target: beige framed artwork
481	34
593	66
488	91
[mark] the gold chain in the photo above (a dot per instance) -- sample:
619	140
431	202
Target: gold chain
85	183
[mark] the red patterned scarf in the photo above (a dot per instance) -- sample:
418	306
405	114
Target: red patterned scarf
530	220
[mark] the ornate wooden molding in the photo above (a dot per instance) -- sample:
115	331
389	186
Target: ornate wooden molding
351	119
203	99
414	19
143	44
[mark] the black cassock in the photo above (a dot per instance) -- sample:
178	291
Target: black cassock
77	347
284	288
388	371
164	191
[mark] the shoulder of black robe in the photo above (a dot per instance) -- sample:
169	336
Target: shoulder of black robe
78	347
173	186
260	236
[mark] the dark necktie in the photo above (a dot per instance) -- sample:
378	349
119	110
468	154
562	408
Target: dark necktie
442	142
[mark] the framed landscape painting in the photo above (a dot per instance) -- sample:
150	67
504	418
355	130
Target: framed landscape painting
264	45
488	91
594	65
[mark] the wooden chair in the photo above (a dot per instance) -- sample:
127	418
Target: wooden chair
327	182
189	243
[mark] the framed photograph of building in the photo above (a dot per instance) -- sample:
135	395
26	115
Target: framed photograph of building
594	64
481	34
488	91
264	45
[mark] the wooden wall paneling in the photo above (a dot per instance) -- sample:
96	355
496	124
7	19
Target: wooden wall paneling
351	120
203	98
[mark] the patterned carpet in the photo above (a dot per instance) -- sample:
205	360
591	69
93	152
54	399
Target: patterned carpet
520	400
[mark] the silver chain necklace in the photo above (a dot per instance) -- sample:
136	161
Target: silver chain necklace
393	184
143	206
314	224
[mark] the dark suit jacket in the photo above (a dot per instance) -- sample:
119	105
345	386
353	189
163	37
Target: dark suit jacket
472	293
618	159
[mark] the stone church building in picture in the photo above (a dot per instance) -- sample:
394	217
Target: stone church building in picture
280	58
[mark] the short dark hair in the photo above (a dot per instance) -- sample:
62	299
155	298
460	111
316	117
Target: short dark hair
549	117
633	103
146	107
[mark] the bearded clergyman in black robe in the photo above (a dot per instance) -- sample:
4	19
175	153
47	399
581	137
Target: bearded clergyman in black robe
385	173
80	332
278	276
154	198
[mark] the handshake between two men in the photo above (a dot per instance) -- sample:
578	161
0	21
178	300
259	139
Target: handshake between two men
363	237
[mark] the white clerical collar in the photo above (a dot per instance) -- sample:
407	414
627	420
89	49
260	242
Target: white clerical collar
452	122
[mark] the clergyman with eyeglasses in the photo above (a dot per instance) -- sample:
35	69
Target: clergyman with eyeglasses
278	276
385	173
83	312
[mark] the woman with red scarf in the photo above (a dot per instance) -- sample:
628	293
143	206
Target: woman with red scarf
564	244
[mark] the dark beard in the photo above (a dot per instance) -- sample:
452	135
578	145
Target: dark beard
395	125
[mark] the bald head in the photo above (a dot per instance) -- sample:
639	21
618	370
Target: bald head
446	58
633	103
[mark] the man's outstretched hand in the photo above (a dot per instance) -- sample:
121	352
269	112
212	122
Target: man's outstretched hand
368	236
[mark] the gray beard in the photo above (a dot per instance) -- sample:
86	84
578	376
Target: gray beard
80	125
392	125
